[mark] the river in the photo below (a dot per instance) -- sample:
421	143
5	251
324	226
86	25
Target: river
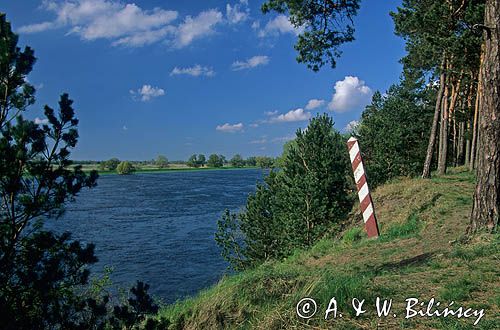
159	227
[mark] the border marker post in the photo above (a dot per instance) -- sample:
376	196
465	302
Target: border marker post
365	199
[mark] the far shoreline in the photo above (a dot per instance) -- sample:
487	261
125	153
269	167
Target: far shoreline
169	170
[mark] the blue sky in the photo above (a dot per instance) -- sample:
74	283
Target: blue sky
153	77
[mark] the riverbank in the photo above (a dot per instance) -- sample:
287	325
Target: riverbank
418	255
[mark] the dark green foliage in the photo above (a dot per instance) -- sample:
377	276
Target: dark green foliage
251	161
296	204
110	164
201	160
135	310
215	160
237	161
264	162
315	183
394	131
38	287
39	271
326	26
15	65
228	237
433	29
196	160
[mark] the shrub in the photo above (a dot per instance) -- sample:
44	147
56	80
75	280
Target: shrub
124	168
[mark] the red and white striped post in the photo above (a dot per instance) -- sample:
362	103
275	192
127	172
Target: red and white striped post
365	199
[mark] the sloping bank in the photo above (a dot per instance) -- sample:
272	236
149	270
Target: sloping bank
418	256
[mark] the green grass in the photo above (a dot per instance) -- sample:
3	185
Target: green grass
412	258
459	290
410	228
353	235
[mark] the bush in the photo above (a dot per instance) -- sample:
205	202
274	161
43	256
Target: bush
196	161
161	161
124	168
110	164
215	160
237	161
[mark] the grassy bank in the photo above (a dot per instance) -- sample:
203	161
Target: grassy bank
417	256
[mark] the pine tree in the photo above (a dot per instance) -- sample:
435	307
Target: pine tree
393	131
326	25
39	270
297	204
486	206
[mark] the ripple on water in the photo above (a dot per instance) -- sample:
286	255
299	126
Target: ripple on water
158	227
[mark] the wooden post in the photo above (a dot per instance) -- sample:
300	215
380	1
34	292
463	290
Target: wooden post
365	199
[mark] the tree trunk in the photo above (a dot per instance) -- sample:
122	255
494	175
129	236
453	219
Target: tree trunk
460	147
467	146
454	144
486	204
472	163
468	127
443	134
432	139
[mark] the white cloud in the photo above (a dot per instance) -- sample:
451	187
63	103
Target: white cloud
228	128
291	116
237	13
40	121
351	126
254	125
271	113
147	92
194	71
196	27
314	103
262	140
283	139
250	63
38	27
279	25
125	24
145	38
350	94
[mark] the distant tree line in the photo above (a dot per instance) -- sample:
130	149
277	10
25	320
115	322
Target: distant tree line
196	161
215	160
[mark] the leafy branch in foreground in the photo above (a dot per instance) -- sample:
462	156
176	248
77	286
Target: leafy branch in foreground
324	25
44	276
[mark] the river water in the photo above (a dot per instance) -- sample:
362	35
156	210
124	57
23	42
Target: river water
158	228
